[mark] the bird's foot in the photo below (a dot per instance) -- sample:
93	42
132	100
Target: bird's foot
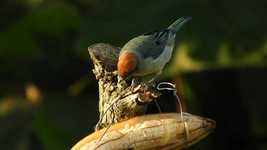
152	82
134	83
121	83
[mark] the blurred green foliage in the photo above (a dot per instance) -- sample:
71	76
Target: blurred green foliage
219	61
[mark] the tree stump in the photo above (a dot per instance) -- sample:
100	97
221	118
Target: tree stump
118	100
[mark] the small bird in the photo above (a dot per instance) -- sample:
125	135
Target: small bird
147	54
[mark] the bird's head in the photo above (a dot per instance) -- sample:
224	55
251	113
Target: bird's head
127	63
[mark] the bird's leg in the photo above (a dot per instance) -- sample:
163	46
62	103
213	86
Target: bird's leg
134	83
153	80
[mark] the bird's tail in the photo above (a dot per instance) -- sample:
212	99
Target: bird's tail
179	23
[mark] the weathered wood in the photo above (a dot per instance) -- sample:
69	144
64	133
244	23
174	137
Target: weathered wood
118	100
150	132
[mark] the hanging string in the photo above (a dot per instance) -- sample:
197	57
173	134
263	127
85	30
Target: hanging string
172	88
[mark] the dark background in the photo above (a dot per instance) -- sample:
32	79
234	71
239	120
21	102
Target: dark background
48	93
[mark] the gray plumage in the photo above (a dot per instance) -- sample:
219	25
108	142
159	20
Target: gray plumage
154	49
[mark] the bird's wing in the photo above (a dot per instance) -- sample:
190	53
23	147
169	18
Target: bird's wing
155	42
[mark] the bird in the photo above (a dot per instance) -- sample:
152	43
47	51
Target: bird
147	54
